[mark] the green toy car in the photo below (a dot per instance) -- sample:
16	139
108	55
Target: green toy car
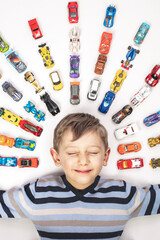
3	45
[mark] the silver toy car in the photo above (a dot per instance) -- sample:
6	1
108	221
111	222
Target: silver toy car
12	91
74	93
93	90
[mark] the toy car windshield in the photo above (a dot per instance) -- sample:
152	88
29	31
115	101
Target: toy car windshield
26	162
2	45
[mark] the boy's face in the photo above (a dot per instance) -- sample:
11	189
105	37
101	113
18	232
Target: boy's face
81	160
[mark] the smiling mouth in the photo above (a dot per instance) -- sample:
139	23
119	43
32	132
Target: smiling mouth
83	171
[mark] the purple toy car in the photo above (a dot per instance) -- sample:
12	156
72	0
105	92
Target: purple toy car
74	66
12	91
152	119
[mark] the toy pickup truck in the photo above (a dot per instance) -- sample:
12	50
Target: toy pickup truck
100	64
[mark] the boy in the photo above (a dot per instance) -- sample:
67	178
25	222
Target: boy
79	204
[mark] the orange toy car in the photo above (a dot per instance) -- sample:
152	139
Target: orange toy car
105	43
28	162
6	141
99	68
127	148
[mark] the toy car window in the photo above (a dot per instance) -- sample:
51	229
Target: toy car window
55	77
26	162
95	85
125	164
2	45
109	17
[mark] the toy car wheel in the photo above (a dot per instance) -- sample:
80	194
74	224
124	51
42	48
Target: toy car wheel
39	50
122	61
137	51
47	48
131	66
129	47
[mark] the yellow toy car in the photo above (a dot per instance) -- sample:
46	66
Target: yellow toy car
45	53
118	80
10	117
153	141
56	80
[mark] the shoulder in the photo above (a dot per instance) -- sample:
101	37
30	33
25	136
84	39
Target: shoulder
50	180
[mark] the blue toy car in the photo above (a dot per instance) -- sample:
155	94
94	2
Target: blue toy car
110	14
107	101
26	144
38	115
142	31
15	61
130	56
152	119
8	161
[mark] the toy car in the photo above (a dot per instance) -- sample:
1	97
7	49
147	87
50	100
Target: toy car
99	67
155	162
153	78
153	141
38	115
107	101
118	80
8	161
127	148
51	105
152	119
74	66
28	162
110	14
3	45
26	144
130	163
74	40
122	114
126	131
140	96
56	80
73	12
74	99
45	53
15	61
10	117
105	43
130	56
36	32
30	127
6	141
93	90
29	77
142	31
12	91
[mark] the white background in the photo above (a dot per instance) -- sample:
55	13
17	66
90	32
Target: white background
52	16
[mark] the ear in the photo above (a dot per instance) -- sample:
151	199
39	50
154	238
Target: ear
106	157
55	157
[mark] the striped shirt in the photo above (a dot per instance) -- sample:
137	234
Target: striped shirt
59	211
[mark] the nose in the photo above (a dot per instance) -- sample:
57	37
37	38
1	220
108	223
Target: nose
83	159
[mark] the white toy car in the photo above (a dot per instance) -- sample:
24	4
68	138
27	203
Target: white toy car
126	131
93	90
140	96
74	39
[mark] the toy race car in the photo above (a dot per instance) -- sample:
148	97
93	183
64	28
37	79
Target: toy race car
118	80
153	78
29	77
8	161
110	14
93	90
74	39
56	80
126	131
74	91
74	66
12	91
130	56
10	117
107	101
38	115
73	12
140	96
25	144
105	43
122	114
130	163
130	147
101	61
3	45
152	119
45	53
50	104
30	127
28	162
36	32
15	61
153	141
155	162
142	31
6	141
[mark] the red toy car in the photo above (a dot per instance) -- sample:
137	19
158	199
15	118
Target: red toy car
153	78
73	12
30	127
36	32
130	163
105	43
28	162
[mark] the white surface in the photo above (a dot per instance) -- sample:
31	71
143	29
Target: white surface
52	17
